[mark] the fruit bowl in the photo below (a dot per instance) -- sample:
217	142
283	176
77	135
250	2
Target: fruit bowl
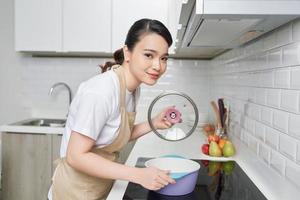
216	148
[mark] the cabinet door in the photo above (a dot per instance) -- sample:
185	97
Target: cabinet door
38	25
125	13
56	141
87	25
26	166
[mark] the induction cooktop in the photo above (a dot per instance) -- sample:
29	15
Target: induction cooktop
216	181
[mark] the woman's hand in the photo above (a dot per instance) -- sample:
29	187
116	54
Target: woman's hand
160	121
152	178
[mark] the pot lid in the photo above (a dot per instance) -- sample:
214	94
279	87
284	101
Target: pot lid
179	109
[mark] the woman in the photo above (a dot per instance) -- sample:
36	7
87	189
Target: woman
101	118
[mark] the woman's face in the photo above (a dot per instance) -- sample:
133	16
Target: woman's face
148	59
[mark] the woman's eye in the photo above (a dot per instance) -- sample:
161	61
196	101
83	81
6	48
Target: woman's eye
165	59
148	55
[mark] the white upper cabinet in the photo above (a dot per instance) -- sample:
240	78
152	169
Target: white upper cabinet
38	25
87	25
63	25
125	13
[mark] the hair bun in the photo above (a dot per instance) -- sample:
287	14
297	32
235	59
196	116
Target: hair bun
119	56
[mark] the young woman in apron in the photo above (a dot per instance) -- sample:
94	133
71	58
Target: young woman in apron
101	119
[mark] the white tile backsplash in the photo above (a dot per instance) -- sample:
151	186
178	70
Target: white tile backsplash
293	172
273	97
290	54
267	115
295	80
264	152
294	125
280	120
290	100
271	103
288	146
277	162
282	78
272	137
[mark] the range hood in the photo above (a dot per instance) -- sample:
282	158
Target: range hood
210	27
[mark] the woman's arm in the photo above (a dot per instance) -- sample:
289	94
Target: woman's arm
80	157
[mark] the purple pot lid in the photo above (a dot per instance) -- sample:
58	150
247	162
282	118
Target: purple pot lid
179	109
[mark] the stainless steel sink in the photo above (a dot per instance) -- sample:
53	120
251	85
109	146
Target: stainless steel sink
43	122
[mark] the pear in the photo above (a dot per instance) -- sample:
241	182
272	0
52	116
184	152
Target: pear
213	167
214	149
228	149
228	167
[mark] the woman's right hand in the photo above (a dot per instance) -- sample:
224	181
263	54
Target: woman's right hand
152	178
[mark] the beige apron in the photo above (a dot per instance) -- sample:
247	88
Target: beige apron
70	184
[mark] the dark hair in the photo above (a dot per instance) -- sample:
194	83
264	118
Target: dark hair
139	28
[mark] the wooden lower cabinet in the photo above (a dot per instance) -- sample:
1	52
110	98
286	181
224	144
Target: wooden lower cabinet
27	165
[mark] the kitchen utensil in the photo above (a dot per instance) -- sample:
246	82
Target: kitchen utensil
222	111
184	171
182	112
217	113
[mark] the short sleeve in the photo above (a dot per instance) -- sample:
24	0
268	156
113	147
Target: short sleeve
91	116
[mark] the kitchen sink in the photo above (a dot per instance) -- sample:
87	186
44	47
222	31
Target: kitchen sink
43	122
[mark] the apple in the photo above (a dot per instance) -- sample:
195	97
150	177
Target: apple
205	148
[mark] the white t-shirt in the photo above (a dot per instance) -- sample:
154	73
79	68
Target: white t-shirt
94	111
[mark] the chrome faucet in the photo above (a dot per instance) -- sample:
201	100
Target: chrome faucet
62	84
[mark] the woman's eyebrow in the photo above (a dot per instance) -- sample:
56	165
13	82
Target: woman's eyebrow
152	50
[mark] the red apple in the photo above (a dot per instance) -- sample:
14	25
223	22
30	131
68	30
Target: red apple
205	148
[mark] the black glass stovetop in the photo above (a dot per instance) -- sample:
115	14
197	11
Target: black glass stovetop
216	181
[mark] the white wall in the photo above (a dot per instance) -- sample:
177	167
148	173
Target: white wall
261	83
26	80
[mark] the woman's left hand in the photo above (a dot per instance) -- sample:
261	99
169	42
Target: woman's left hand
160	121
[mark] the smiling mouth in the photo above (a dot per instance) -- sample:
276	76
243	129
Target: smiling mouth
153	76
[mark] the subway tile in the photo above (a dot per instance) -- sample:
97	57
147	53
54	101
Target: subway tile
288	146
253	144
295	77
284	35
262	61
266	79
273	97
290	100
267	116
272	137
290	55
260	131
260	96
296	31
244	136
250	126
282	78
294	125
251	94
293	172
298	153
274	58
264	152
255	112
277	162
280	120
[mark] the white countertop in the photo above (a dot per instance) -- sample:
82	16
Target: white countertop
13	128
269	182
